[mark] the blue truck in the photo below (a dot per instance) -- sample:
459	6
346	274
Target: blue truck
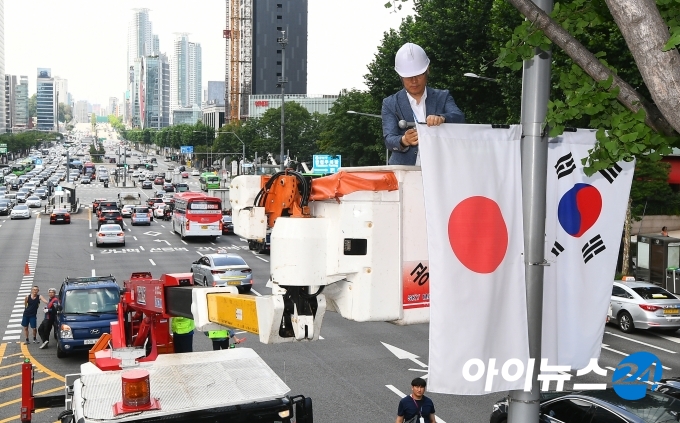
87	306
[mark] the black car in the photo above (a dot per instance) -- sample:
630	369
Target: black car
15	185
109	217
670	386
168	187
85	179
227	225
5	207
147	185
604	406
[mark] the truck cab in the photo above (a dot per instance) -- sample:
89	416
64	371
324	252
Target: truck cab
87	308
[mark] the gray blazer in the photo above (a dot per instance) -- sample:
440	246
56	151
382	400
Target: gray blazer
397	107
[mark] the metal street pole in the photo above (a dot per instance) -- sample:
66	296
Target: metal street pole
282	82
524	406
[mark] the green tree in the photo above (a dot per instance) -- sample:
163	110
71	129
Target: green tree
32	105
358	139
650	192
65	113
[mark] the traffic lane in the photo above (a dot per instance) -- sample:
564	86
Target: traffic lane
60	246
662	344
16	237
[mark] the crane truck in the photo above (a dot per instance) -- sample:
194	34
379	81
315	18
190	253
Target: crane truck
133	374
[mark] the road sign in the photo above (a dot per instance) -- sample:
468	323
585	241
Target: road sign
324	163
186	149
38	161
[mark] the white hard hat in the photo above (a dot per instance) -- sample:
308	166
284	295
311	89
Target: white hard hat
411	60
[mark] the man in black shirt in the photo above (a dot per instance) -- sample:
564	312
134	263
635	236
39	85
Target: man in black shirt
31	304
416	408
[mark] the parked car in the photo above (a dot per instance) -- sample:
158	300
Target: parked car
21	211
109	217
127	209
60	216
643	305
33	201
141	216
604	406
110	234
221	270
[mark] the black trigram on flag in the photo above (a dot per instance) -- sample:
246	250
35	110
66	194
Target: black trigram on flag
592	248
565	165
557	249
611	173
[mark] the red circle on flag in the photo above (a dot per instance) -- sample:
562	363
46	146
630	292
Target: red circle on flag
478	234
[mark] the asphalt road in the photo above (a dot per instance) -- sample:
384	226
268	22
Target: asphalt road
350	373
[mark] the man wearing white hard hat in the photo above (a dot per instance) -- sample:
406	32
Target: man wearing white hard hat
416	102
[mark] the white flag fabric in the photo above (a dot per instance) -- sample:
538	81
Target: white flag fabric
584	223
473	208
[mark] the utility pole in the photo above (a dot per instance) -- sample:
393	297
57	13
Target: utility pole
524	407
282	83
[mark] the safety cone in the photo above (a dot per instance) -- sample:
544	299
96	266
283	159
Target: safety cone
27	271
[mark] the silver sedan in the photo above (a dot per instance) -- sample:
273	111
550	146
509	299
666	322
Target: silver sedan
642	305
222	270
21	211
110	234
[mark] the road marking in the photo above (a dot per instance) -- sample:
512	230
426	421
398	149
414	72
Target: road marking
255	292
12	332
640	342
212	243
4	404
90	243
141	248
185	243
93	273
135	238
90	234
152	262
262	259
402	395
163	226
91	256
670	338
402	354
645	381
199	253
606	347
9	388
3	347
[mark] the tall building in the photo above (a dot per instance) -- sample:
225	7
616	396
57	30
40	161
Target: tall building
45	100
141	43
213	105
3	127
80	111
114	106
10	100
157	92
21	103
186	85
137	97
61	85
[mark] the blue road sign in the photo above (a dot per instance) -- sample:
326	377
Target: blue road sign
324	163
186	149
38	161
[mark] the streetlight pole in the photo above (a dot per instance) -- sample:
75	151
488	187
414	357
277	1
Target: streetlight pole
282	83
243	160
206	147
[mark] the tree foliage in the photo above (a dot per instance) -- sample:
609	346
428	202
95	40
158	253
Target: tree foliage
650	192
21	143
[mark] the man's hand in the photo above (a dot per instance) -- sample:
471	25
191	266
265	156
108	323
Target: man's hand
434	120
410	138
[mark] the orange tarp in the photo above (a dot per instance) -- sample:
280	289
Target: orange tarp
343	183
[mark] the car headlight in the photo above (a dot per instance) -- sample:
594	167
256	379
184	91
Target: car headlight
66	332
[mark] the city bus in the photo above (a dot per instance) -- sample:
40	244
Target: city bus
209	180
22	167
196	214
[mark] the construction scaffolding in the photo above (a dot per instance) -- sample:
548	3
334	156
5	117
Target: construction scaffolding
238	58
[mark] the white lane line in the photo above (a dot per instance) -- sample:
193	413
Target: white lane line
152	262
129	230
90	234
172	232
141	248
135	238
13	331
93	273
645	381
212	243
669	338
243	239
640	342
16	325
163	226
9	338
262	259
606	347
185	243
14	320
255	292
17	315
402	395
91	256
199	253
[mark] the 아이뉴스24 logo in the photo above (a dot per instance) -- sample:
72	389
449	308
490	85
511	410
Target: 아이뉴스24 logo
630	379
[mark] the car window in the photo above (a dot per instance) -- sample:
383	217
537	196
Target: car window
228	261
111	228
653	293
95	300
142	210
204	261
568	410
602	415
617	291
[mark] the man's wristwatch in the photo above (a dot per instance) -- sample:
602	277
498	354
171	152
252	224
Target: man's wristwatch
402	145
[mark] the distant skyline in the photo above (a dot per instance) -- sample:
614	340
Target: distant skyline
86	41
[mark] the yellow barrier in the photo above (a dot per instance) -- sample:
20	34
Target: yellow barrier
233	310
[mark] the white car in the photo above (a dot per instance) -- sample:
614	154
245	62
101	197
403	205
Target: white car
20	211
126	211
33	201
195	172
158	210
110	234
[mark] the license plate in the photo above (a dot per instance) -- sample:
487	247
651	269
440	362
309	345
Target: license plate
671	311
204	226
90	341
110	221
234	283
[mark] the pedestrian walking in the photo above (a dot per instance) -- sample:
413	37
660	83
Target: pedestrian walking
182	334
220	338
50	319
416	408
30	316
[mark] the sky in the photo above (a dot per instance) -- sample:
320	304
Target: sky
86	41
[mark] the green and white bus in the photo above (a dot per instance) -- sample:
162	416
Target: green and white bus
209	180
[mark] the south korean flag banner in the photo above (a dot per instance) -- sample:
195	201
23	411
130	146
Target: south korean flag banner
584	223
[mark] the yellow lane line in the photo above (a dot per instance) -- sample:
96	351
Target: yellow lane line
11	355
3	347
49	391
11	365
39	366
9	388
18	417
9	376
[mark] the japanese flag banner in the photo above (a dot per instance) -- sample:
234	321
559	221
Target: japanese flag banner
584	223
473	209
